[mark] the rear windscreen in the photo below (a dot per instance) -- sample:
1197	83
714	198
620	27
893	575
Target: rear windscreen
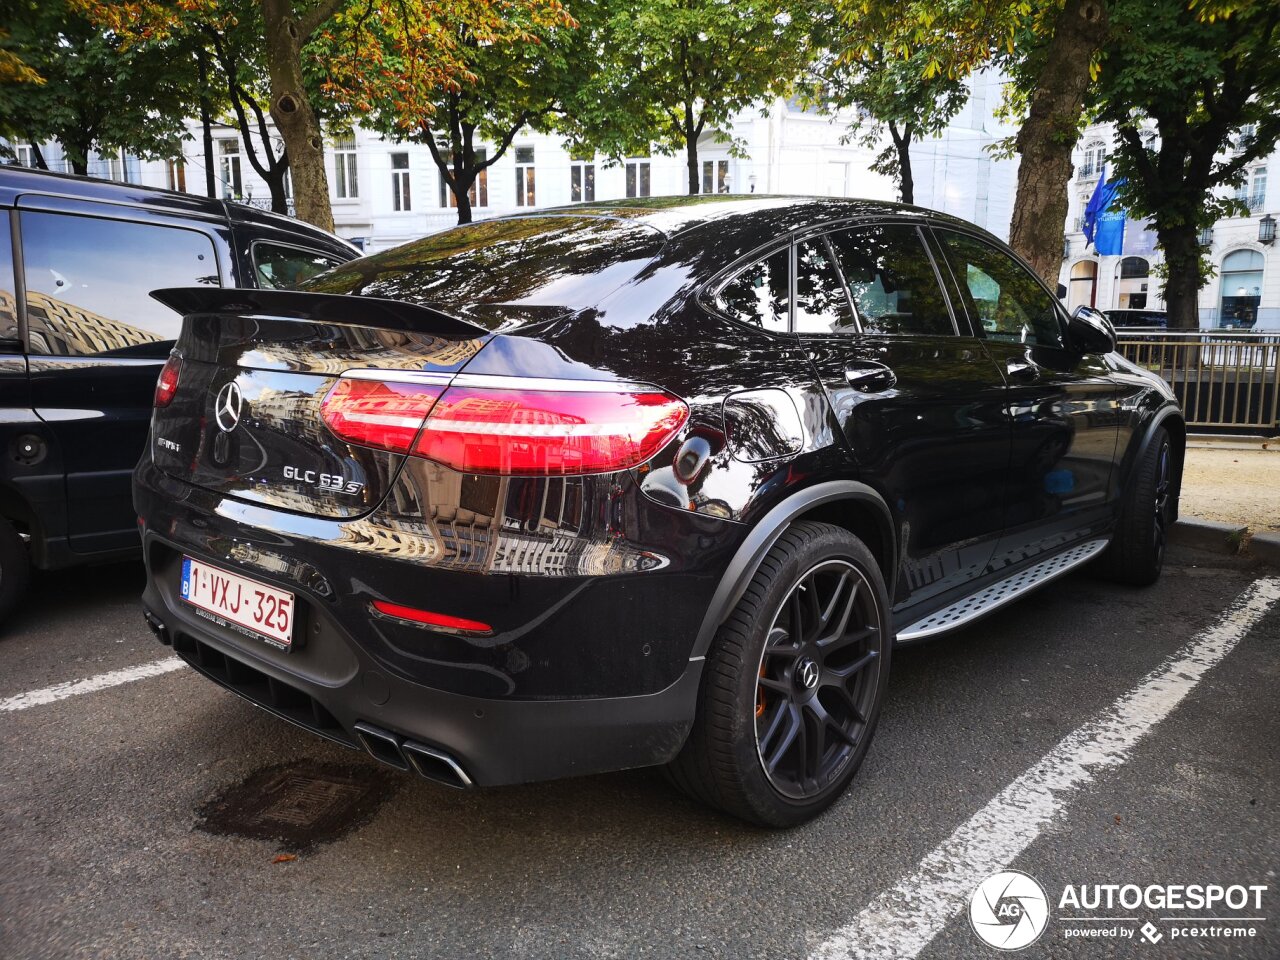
566	262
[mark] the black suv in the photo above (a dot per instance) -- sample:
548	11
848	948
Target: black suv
81	344
637	483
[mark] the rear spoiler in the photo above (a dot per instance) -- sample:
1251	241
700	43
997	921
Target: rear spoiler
318	308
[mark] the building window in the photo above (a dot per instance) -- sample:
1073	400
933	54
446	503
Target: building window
1245	137
478	193
401	199
637	178
582	182
715	176
1240	289
116	167
25	155
346	182
1095	156
1252	191
229	169
524	177
176	175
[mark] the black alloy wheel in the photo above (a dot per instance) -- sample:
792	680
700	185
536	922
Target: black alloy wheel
1136	553
817	681
793	682
1163	485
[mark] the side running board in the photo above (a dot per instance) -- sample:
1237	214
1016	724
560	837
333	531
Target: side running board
979	604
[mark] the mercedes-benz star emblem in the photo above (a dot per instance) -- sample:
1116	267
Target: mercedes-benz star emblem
228	407
808	673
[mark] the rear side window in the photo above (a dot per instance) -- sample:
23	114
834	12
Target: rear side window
10	335
892	281
761	293
1002	295
280	267
821	303
88	282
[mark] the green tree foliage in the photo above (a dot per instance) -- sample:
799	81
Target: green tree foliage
670	70
97	92
893	94
507	80
1197	76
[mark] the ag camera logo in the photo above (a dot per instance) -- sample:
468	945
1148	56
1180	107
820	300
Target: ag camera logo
1009	910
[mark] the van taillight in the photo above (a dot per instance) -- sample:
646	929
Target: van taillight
167	382
513	431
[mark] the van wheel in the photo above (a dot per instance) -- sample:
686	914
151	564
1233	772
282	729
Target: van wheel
1136	554
15	569
794	682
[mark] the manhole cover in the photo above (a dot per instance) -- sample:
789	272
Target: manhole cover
299	804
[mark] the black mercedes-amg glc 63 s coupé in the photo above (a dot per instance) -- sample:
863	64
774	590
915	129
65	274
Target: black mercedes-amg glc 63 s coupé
654	482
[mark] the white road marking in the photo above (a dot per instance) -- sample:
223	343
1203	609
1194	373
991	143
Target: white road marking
60	691
901	921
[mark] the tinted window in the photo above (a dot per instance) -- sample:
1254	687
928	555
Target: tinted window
821	304
9	333
892	281
566	262
1001	294
761	294
88	282
283	268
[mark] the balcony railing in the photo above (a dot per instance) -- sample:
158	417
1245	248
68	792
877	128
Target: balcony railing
1225	382
264	203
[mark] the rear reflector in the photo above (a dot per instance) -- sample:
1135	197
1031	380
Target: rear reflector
377	413
507	431
429	618
167	382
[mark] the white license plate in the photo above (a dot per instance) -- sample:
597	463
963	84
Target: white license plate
238	602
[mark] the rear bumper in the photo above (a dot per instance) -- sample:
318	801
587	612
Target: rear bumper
477	741
582	674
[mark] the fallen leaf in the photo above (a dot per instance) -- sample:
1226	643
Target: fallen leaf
285	858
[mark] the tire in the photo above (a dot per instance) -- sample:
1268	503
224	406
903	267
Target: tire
1136	554
15	569
785	715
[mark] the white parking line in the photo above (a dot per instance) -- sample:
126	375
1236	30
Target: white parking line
901	921
60	691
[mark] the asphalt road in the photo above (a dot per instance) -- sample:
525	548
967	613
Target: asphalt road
104	850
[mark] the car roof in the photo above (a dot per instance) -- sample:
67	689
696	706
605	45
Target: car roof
674	215
16	180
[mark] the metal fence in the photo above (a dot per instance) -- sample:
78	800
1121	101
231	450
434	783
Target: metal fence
1226	382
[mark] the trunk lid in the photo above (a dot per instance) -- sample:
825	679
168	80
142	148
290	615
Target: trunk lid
246	421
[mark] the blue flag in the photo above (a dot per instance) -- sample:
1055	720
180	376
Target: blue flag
1103	223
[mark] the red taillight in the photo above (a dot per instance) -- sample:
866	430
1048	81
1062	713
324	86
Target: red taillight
548	432
430	619
167	383
496	430
376	413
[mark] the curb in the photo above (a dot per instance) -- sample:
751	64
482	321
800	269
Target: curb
1209	535
1229	538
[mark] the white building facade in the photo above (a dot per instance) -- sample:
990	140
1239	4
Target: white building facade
1244	294
386	193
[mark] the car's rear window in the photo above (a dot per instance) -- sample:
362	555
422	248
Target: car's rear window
565	262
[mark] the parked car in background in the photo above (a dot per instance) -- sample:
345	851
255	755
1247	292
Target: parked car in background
81	344
650	482
1137	318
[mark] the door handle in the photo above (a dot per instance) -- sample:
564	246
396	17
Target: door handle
1021	370
868	376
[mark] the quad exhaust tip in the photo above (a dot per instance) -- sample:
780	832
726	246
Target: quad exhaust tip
428	762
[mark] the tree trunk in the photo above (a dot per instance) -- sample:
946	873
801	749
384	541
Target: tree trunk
463	196
691	150
206	126
902	144
1181	246
294	116
37	154
1048	136
279	199
79	163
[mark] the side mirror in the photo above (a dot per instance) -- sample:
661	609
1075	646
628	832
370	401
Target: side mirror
1091	331
1062	291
